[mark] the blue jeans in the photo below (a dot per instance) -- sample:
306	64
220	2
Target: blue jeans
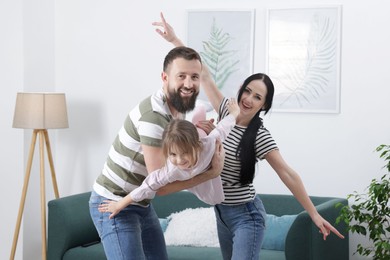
134	233
241	229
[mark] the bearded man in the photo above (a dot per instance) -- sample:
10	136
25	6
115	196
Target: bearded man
135	233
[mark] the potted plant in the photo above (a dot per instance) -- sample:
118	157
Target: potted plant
370	213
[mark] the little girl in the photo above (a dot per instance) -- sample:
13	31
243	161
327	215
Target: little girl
188	155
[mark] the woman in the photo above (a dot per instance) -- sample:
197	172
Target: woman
240	218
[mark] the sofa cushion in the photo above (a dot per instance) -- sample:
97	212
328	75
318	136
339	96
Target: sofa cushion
276	231
91	252
193	253
197	227
192	227
163	223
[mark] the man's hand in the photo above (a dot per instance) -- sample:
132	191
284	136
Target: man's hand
217	161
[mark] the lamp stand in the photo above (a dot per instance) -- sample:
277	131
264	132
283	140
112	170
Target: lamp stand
43	138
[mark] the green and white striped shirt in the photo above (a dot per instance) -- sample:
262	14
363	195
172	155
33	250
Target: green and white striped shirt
125	167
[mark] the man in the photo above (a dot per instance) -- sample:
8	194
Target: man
135	232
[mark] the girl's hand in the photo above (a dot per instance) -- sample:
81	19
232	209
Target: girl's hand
206	125
109	206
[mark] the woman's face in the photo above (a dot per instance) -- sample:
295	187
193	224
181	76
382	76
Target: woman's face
252	99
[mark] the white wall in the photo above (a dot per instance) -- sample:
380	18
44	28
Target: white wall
11	140
106	57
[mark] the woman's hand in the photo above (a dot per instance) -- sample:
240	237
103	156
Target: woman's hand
167	33
325	227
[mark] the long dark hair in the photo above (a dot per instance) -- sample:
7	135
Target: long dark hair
246	148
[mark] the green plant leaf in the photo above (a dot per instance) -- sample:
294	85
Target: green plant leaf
370	213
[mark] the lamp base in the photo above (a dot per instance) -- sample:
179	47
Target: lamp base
43	138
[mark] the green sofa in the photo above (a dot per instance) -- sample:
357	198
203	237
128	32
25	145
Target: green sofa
72	235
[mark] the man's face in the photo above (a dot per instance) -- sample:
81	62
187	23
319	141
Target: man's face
181	84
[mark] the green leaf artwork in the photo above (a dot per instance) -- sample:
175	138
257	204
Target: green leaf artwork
308	81
219	59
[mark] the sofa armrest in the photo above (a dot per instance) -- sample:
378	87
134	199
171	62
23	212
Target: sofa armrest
69	225
305	242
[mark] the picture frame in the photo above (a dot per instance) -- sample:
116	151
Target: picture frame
303	58
225	40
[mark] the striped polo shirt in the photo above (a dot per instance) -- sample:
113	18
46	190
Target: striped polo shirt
235	192
125	169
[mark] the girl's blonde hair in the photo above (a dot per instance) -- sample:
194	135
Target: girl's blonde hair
182	135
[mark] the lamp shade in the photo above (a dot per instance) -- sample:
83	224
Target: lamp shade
40	111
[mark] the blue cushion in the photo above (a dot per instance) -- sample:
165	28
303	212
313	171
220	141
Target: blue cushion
276	231
163	223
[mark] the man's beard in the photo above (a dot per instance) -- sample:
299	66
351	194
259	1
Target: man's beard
181	104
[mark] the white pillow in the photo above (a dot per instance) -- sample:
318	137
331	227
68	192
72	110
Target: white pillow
192	227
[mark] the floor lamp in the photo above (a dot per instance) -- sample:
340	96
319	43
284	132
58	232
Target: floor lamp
38	111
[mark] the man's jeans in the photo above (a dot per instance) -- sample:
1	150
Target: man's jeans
134	233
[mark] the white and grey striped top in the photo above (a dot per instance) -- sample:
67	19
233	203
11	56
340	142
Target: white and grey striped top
235	192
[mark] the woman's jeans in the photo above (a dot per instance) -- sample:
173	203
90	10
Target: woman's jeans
241	229
134	233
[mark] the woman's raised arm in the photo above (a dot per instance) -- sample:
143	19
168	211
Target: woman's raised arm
207	82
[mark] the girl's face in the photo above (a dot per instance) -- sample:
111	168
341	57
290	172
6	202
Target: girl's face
183	160
252	99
